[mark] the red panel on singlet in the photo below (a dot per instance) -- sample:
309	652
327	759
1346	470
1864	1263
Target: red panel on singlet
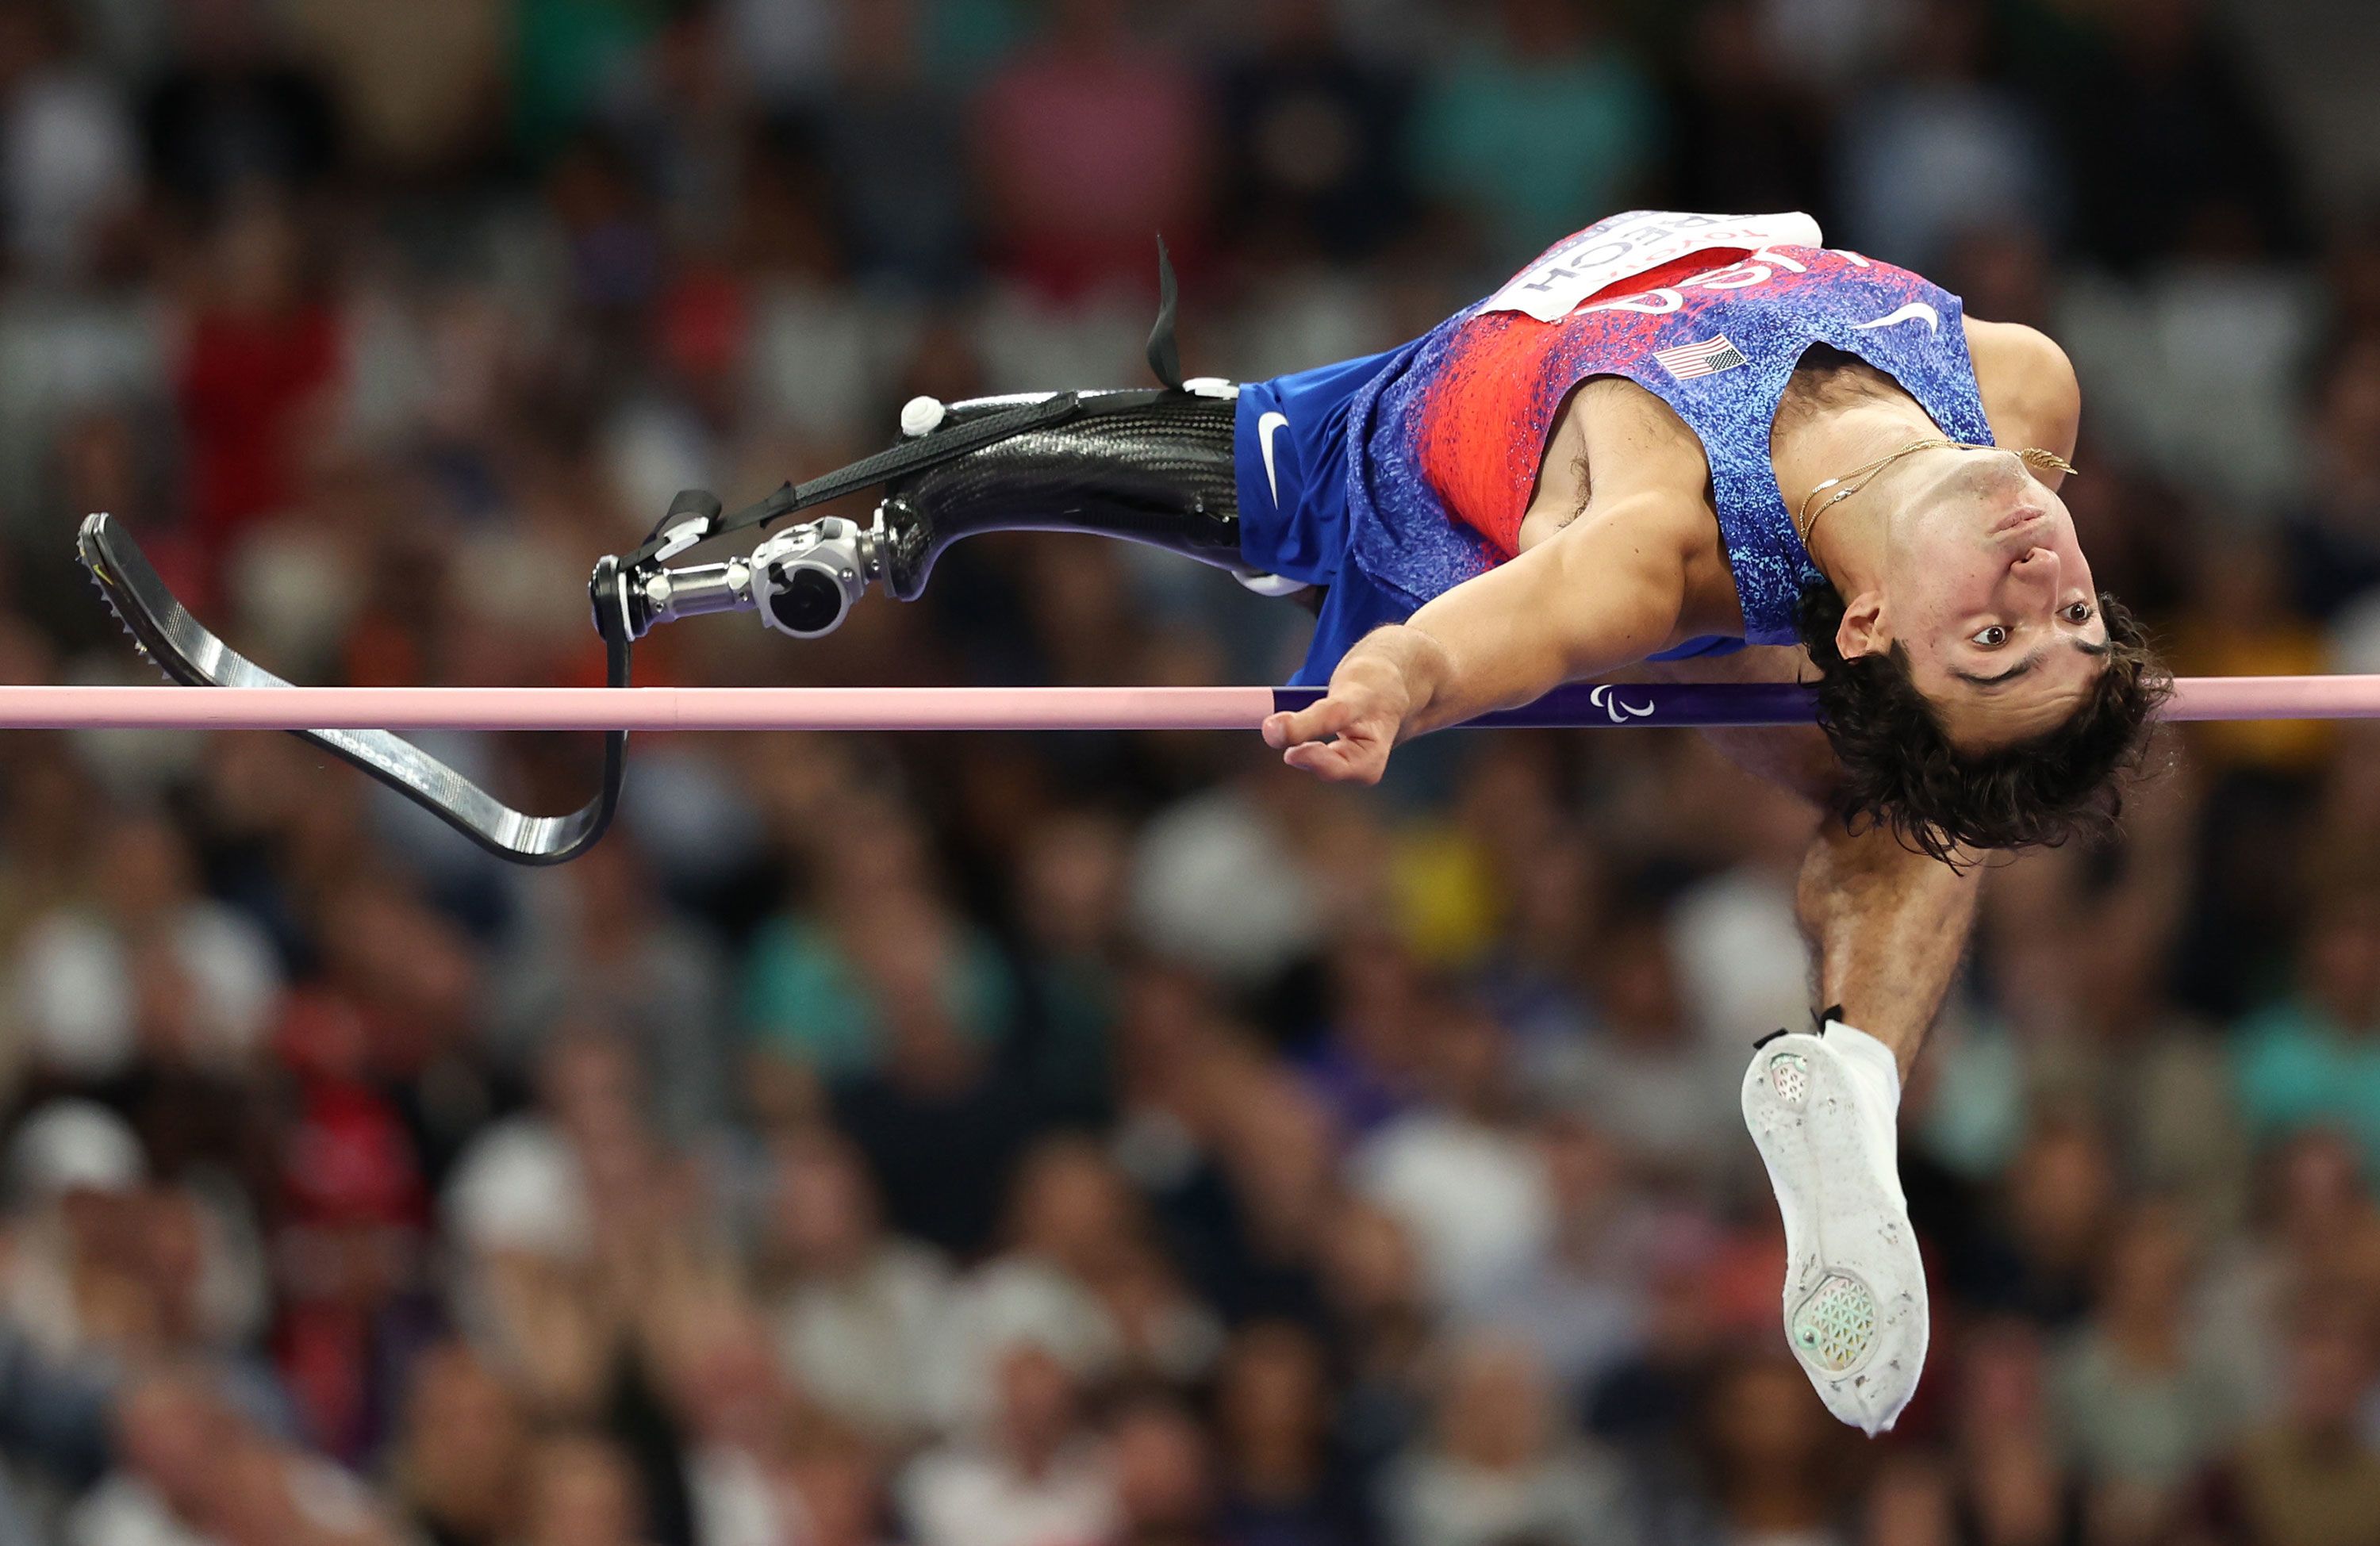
1480	440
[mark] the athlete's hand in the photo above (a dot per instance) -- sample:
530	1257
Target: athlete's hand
1347	736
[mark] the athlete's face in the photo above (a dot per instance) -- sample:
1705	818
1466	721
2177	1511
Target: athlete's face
1986	591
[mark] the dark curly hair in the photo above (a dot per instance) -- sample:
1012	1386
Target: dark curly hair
1900	770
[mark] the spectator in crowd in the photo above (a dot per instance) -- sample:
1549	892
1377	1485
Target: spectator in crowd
1381	1317
235	115
73	174
2335	538
1941	148
896	150
2313	1231
606	954
1162	1486
1311	134
1745	136
2310	1474
58	1420
1774	1474
821	983
2141	1400
1656	1089
190	1468
261	357
580	1490
1369	1060
459	1454
2015	1486
941	1122
2056	1202
1039	1476
147	960
1545	116
861	1312
1582	1301
75	1174
1468	1186
1069	880
2306	1060
2173	150
1282	1483
1494	1466
1085	143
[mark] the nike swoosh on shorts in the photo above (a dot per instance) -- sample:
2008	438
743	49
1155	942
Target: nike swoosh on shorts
1267	427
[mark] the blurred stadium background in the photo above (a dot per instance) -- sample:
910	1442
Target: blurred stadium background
1093	1141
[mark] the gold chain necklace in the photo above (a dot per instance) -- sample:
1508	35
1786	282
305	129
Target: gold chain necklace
1807	520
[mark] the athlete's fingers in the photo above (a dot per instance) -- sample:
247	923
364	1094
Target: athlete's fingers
1323	759
1328	717
1341	761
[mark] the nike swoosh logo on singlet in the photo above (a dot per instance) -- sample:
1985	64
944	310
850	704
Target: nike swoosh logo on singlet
1267	428
1911	312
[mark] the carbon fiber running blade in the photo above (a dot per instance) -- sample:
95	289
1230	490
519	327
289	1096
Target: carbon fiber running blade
186	651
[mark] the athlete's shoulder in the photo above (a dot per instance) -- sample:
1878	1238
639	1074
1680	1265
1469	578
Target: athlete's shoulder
2029	388
2019	351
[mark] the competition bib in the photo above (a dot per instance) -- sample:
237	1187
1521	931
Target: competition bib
1636	243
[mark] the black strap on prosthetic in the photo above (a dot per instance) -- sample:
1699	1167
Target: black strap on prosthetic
694	516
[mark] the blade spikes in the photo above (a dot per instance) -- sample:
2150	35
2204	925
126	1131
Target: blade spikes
183	648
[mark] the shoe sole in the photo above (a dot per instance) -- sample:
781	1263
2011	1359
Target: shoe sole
1834	1323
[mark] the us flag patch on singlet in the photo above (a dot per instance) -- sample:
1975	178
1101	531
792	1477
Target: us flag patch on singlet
1706	358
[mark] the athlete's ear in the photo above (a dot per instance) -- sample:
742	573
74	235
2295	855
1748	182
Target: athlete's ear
1861	631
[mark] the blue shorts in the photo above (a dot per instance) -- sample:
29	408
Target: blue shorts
1291	440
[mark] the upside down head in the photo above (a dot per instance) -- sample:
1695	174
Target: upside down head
1979	694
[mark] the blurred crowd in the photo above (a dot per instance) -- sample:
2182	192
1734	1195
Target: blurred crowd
1086	1139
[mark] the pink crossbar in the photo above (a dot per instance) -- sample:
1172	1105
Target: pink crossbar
635	708
903	708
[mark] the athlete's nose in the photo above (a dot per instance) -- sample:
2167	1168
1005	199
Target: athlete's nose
2039	569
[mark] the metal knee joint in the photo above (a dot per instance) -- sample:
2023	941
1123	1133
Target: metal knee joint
803	581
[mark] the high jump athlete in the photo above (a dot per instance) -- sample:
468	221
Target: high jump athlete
1705	446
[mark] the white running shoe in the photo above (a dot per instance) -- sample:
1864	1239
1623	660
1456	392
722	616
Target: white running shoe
1824	1112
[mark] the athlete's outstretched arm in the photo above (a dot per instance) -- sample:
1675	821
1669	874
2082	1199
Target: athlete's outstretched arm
1604	592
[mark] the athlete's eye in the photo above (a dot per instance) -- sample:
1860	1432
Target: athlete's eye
2079	613
1990	638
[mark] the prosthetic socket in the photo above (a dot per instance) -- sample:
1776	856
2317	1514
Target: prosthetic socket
1148	466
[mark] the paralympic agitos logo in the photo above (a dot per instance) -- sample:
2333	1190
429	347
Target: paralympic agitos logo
1608	699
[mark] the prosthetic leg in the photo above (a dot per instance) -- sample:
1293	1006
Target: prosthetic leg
1153	467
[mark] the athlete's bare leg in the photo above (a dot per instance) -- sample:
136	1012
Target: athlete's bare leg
1888	928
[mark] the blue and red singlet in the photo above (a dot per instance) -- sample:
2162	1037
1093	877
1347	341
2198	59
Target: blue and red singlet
1395	477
